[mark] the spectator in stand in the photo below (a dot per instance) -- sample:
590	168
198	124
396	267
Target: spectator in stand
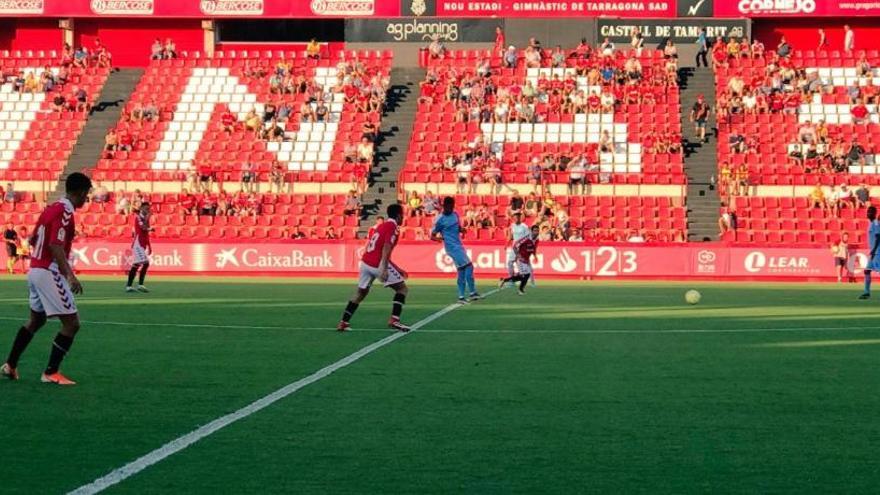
855	155
248	176
157	51
727	222
863	196
82	99
485	218
123	204
111	143
8	196
296	234
517	205
823	42
228	121
742	179
170	49
10	239
817	198
151	110
359	172
577	176
205	177
273	132
352	204
188	202
365	151
313	49
59	103
636	41
737	142
699	116
576	236
207	205
510	57
414	205
499	41
702	48
860	112
607	48
100	194
783	49
532	205
81	57
436	49
23	253
843	198
430	204
536	174
840	251
849	40
253	123
278	177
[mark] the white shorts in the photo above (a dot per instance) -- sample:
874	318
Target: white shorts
138	255
370	274
49	293
523	268
511	256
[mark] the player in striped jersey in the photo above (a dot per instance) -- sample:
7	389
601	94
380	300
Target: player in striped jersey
525	248
51	281
140	248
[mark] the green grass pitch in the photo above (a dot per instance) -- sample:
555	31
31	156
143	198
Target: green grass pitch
573	388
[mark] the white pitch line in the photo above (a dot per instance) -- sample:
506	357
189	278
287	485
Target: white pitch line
118	475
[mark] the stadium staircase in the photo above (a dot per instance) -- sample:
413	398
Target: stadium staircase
104	115
396	130
700	158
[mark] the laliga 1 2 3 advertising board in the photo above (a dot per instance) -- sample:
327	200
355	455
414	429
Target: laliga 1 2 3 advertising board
563	260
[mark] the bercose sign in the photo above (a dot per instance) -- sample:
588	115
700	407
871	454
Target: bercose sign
678	30
577	260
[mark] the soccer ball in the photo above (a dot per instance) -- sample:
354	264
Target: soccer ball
692	296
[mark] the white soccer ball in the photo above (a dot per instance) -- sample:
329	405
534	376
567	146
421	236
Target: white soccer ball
692	296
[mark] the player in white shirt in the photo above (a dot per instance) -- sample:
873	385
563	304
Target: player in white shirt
517	230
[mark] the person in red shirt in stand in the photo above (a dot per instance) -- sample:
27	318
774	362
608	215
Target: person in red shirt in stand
188	203
228	120
140	248
376	263
859	112
51	281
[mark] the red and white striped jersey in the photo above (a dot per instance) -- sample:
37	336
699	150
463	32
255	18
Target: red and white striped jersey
142	231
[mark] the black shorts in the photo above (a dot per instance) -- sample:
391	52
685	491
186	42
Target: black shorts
11	251
839	261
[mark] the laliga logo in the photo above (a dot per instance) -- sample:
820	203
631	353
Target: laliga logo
444	263
755	261
226	256
563	263
784	6
706	257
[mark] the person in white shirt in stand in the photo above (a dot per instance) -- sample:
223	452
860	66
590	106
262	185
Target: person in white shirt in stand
849	40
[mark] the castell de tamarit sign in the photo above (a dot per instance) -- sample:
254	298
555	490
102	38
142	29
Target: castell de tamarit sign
677	30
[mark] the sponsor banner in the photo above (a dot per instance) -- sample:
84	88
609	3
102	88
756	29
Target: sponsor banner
418	8
205	8
696	8
579	260
682	31
417	30
555	8
796	8
21	7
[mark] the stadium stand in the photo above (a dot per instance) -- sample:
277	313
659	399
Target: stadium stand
204	122
799	135
41	115
489	124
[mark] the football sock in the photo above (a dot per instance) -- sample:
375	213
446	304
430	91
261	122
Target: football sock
510	268
10	264
21	342
469	273
397	305
131	273
867	282
350	308
143	274
60	347
523	281
461	283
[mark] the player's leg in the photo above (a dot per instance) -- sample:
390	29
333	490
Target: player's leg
511	260
867	293
400	293
132	272
461	283
143	276
365	281
523	281
60	347
22	339
471	284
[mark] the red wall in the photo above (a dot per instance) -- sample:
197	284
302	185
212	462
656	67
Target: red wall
802	34
30	34
129	40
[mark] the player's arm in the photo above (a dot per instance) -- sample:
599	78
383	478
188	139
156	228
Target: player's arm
60	259
435	232
383	263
